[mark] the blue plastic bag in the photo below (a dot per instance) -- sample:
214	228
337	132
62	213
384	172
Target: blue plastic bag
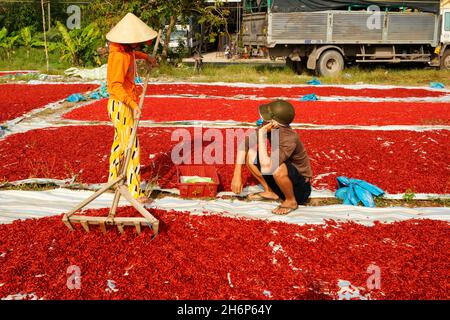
76	97
309	97
364	195
104	90
341	193
314	82
95	95
351	198
343	181
368	186
353	191
437	85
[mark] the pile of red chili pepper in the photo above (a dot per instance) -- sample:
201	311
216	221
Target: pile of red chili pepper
319	112
214	257
18	99
396	161
288	92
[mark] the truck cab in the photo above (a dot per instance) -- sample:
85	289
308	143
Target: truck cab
445	40
445	35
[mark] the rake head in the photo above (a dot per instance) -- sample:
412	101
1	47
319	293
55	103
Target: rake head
120	222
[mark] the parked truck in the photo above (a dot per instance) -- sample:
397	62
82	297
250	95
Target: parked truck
325	35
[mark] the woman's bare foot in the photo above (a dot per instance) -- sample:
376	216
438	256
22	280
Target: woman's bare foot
144	200
265	195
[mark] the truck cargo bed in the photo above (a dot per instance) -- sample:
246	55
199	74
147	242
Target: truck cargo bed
340	27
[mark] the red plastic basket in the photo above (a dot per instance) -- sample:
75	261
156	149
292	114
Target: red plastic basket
197	190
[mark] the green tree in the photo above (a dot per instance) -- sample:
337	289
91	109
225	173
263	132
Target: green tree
7	42
160	14
26	39
79	46
213	17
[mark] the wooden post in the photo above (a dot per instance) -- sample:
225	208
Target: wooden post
45	34
49	15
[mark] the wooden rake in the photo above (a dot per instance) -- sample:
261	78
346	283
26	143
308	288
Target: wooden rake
121	189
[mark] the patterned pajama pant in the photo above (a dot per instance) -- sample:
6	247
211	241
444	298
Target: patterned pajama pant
122	118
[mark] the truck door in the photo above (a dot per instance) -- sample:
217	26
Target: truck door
445	35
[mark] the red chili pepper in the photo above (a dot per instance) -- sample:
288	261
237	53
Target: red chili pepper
296	92
18	99
193	255
319	112
393	160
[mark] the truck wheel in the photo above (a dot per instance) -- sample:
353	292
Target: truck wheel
330	63
445	61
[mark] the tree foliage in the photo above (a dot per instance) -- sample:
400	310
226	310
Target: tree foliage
24	21
7	42
162	14
79	46
17	15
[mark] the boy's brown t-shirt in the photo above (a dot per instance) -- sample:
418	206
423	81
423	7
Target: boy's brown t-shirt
291	149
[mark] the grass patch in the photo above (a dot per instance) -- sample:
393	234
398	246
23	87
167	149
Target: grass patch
36	61
30	187
399	74
280	74
230	73
387	203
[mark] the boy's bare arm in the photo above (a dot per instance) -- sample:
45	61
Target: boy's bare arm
242	151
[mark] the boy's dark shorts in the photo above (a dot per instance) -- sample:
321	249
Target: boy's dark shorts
302	189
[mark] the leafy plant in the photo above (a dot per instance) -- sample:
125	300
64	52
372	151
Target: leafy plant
27	40
79	46
7	42
409	195
177	54
214	18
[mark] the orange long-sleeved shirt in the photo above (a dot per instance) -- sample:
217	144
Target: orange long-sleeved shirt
121	73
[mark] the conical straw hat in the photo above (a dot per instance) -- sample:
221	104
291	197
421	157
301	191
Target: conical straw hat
131	29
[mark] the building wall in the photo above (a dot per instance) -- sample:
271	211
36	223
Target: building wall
445	4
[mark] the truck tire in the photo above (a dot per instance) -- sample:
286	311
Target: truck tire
330	63
445	61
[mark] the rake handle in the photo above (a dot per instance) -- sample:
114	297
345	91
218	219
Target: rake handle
141	105
135	126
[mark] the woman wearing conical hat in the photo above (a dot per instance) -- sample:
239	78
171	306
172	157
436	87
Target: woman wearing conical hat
123	107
